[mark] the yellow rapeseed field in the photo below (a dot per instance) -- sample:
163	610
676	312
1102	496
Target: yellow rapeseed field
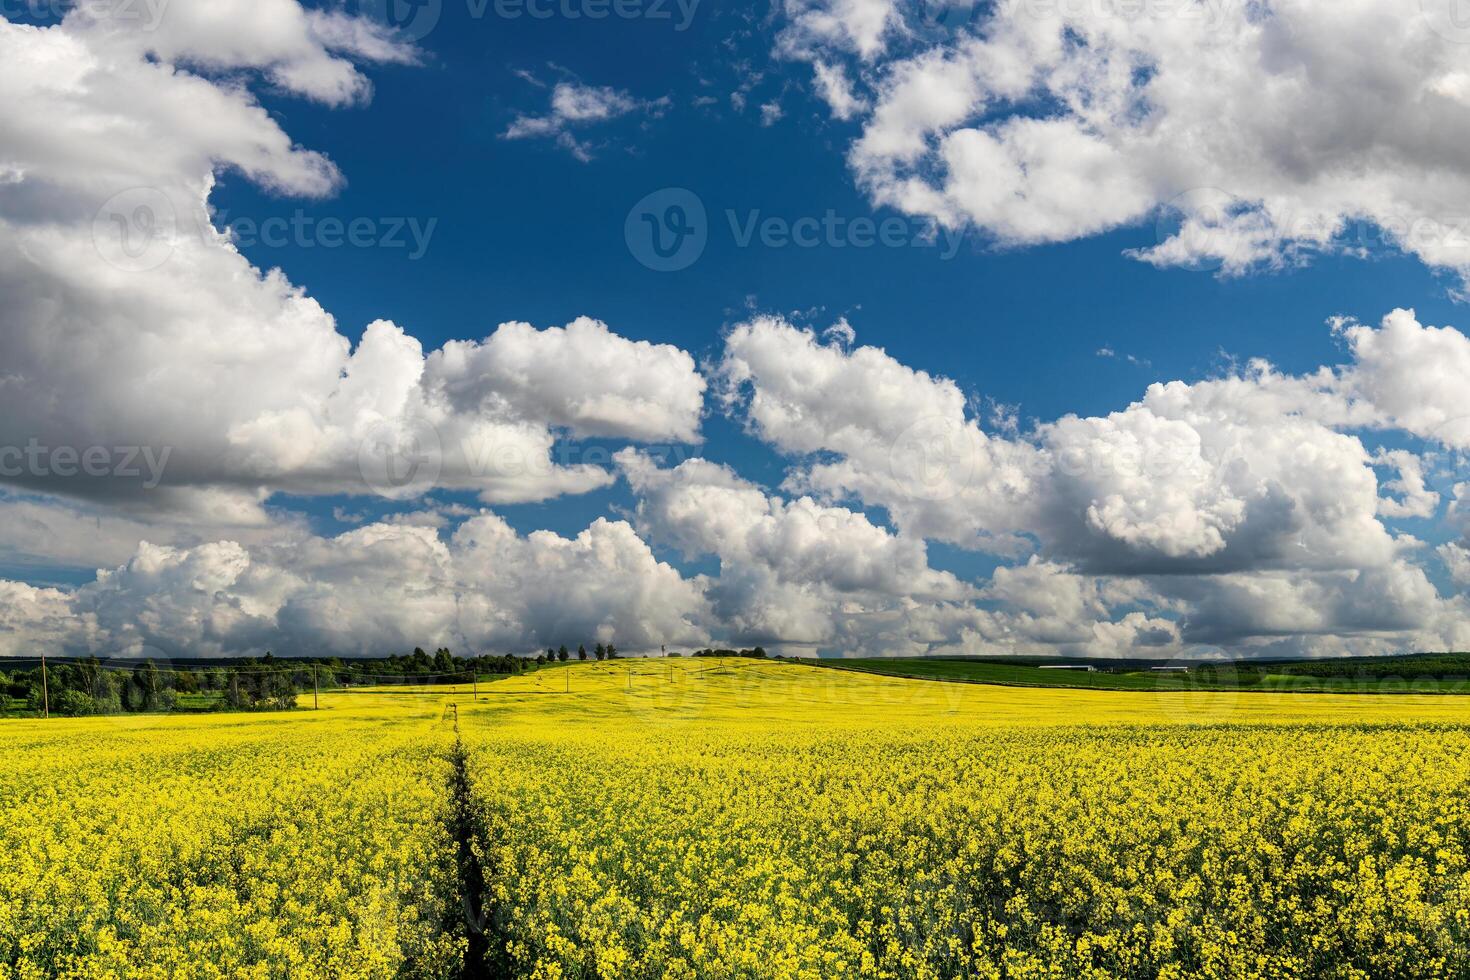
228	846
776	821
744	819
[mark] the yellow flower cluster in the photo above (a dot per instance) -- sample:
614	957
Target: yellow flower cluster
228	846
780	826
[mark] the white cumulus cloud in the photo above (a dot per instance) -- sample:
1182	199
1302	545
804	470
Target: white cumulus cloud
1251	135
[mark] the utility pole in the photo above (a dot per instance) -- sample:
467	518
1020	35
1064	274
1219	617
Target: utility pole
475	684
569	680
316	701
45	691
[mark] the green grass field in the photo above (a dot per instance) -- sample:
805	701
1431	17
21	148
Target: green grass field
1001	672
187	704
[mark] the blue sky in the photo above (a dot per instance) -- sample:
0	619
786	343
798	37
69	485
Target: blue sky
521	230
1054	240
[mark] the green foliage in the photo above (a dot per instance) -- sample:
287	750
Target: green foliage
1438	666
74	704
758	653
1386	675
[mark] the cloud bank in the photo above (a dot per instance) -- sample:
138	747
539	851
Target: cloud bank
162	400
1249	135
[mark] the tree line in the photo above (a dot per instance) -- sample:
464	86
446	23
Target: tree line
91	686
609	652
562	655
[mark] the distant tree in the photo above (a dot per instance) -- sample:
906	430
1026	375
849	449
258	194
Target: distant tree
73	704
612	652
186	682
443	661
277	691
541	658
105	692
600	651
148	682
562	653
581	652
722	652
236	695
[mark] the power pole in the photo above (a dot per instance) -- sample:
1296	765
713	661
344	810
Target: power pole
316	702
475	684
569	680
45	691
